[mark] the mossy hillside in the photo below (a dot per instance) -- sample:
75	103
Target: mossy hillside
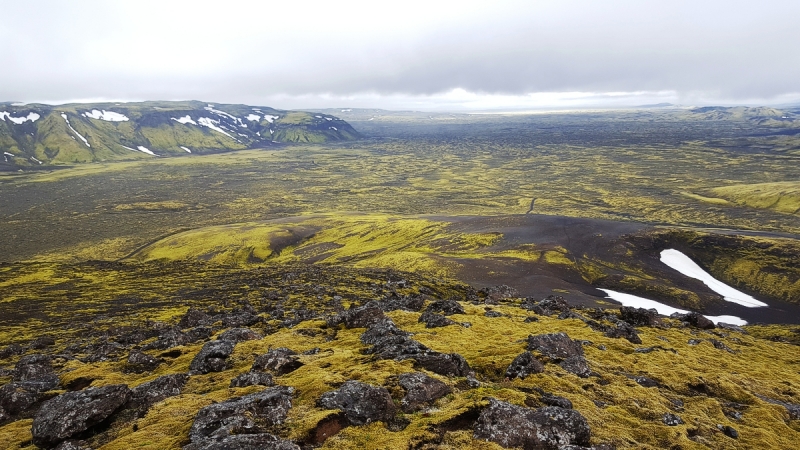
782	197
151	125
620	412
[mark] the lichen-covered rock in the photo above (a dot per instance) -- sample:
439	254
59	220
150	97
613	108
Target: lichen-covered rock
75	412
381	330
361	403
671	420
20	397
252	379
42	342
493	294
556	400
250	414
576	365
148	394
360	317
169	338
260	441
445	307
213	357
193	318
697	320
434	320
139	362
639	317
420	389
73	445
36	368
555	345
547	428
240	335
523	365
624	330
397	347
11	350
278	361
447	364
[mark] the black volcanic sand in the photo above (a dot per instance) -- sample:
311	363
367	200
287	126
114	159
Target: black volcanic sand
599	240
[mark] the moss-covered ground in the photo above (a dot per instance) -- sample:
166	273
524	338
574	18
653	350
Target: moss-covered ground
697	381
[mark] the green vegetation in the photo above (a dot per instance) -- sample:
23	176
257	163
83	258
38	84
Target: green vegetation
782	197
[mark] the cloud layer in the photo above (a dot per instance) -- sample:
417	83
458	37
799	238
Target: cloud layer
422	54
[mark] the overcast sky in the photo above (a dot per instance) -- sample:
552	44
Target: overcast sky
424	55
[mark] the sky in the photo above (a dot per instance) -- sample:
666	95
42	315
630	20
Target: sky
421	55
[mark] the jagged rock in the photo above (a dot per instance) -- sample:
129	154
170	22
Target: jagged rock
279	361
530	319
139	362
555	345
36	368
212	357
148	394
721	346
250	414
576	365
130	335
420	389
260	441
446	307
73	445
639	317
381	330
731	327
697	320
494	294
523	365
11	350
644	381
447	364
624	330
728	431
361	403
193	318
4	415
545	428
74	412
169	338
671	420
548	306
19	397
556	400
434	320
198	333
240	335
244	317
395	302
694	341
42	342
253	379
360	317
396	347
492	313
104	351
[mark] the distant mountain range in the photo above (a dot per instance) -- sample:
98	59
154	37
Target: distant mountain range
37	134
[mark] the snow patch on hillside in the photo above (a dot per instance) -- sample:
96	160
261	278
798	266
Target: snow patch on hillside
270	118
144	149
108	116
33	117
253	117
683	264
184	120
213	124
187	150
665	310
64	115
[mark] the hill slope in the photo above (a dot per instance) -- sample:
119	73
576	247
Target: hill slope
36	134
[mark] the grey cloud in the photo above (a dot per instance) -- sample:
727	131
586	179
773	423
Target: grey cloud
726	50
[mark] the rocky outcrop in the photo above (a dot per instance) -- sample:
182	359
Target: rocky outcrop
523	365
74	412
279	361
434	320
252	379
420	390
547	428
213	357
139	362
240	335
148	394
248	415
361	403
445	307
558	347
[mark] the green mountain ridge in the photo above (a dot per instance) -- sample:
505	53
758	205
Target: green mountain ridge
36	134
